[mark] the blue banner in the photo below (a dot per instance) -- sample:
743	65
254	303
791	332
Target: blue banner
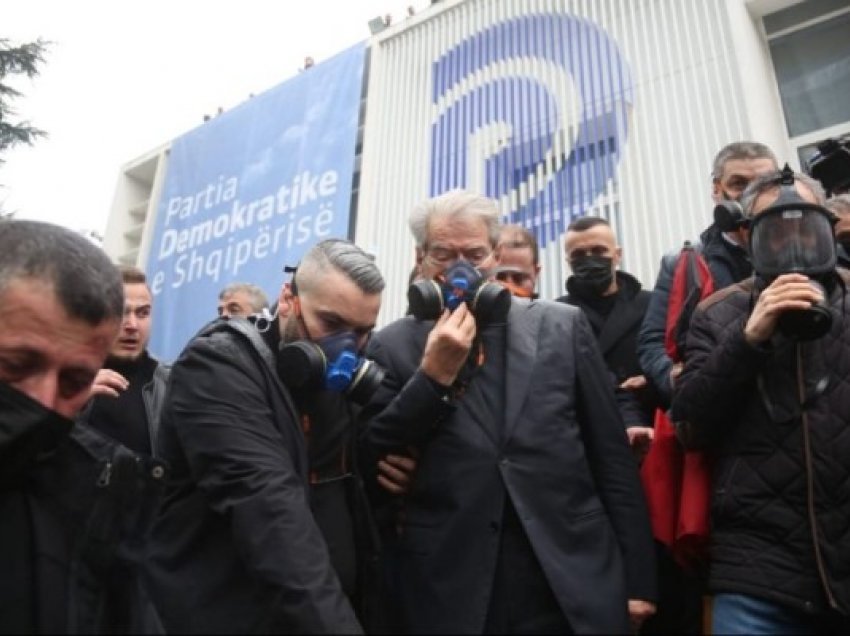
250	191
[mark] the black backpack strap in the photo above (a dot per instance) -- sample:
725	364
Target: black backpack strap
247	330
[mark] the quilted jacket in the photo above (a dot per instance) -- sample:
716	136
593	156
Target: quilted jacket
776	420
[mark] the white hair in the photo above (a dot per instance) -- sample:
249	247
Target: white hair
454	203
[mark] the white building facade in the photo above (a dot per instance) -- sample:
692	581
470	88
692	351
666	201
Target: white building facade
560	108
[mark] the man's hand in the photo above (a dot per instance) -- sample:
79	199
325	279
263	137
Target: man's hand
640	438
639	611
448	345
634	383
675	372
395	472
108	382
788	291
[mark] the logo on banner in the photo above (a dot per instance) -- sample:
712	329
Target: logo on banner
544	140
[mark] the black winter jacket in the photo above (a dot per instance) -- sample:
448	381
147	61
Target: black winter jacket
728	264
67	516
843	256
235	548
781	478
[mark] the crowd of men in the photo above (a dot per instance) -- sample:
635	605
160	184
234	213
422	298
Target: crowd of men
476	466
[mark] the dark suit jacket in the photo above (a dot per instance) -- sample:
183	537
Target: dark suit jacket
563	459
616	335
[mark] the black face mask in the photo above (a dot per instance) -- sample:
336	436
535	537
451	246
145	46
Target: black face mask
592	275
27	430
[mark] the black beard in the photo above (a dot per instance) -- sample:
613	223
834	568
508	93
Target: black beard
290	331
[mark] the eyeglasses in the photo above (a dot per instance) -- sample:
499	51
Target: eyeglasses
443	256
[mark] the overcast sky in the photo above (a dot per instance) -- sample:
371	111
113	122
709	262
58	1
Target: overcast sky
122	78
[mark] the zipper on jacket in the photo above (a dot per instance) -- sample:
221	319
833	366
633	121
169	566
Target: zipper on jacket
147	400
810	480
105	475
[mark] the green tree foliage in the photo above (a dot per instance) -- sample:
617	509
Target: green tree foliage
17	59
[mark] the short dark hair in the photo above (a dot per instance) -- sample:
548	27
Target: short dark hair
586	222
522	237
132	275
738	150
86	283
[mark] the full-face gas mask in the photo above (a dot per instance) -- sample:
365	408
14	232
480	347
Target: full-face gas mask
795	236
460	283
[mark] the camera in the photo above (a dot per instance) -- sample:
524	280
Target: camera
831	165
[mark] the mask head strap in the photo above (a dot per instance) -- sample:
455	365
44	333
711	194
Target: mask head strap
289	269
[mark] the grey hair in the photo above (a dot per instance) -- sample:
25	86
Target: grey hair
256	296
85	282
454	204
740	150
839	204
343	256
769	181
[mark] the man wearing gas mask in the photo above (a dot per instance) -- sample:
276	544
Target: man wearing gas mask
526	495
764	392
724	250
236	547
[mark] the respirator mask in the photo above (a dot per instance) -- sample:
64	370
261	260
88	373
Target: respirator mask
795	236
332	363
461	283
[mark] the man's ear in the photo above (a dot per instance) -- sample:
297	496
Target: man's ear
716	191
420	254
284	302
618	256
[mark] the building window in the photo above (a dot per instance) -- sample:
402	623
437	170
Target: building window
812	64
